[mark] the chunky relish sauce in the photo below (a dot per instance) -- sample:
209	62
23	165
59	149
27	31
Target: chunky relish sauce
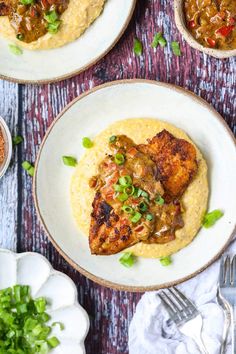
212	22
31	19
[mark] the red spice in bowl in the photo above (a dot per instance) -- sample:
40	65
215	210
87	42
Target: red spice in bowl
2	147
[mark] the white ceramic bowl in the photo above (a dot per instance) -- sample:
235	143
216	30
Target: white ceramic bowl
181	24
52	65
34	270
87	116
8	147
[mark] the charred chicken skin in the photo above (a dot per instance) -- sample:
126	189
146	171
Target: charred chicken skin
138	188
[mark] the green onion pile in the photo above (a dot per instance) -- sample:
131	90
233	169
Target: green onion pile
23	323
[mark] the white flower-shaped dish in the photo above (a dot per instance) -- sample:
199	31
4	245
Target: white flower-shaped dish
34	270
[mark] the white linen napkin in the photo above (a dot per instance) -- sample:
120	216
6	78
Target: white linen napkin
150	332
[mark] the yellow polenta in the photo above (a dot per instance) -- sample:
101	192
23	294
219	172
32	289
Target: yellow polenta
194	200
79	15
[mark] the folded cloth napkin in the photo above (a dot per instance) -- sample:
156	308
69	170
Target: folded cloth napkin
150	331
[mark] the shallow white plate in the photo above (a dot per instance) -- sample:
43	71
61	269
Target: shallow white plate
57	64
91	113
34	270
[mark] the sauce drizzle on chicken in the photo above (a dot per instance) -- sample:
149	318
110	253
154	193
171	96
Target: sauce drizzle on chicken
138	194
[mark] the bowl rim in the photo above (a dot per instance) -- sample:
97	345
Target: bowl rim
8	141
180	23
83	68
53	271
77	267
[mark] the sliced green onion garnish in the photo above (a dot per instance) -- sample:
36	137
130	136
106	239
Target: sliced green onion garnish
137	216
60	324
14	49
23	323
144	194
69	161
211	218
159	200
162	42
87	142
51	16
176	48
129	190
119	159
26	2
127	259
156	38
143	206
127	209
165	261
125	181
123	197
28	168
138	47
149	217
53	27
17	140
112	139
118	188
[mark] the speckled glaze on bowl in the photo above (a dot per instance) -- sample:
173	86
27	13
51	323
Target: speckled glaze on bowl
34	270
8	147
181	24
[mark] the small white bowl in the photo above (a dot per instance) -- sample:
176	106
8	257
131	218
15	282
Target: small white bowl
8	146
34	270
181	24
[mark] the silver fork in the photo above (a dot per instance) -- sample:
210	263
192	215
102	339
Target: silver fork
184	314
227	290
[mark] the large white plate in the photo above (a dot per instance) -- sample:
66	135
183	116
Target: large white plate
91	113
34	270
57	64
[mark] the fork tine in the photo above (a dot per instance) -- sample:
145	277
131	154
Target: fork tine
181	304
172	310
233	271
184	300
227	270
222	272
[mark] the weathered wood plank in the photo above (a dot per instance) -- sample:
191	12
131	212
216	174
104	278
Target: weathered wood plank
9	184
212	79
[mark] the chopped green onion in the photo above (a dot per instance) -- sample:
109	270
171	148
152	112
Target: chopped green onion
165	261
162	42
127	209
149	217
53	27
129	190
28	168
87	142
20	36
14	49
159	200
137	216
144	194
61	325
211	218
26	2
125	181
17	140
127	259
118	188
156	38
123	197
112	139
176	48
23	323
138	47
119	159
51	16
69	161
53	342
143	206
